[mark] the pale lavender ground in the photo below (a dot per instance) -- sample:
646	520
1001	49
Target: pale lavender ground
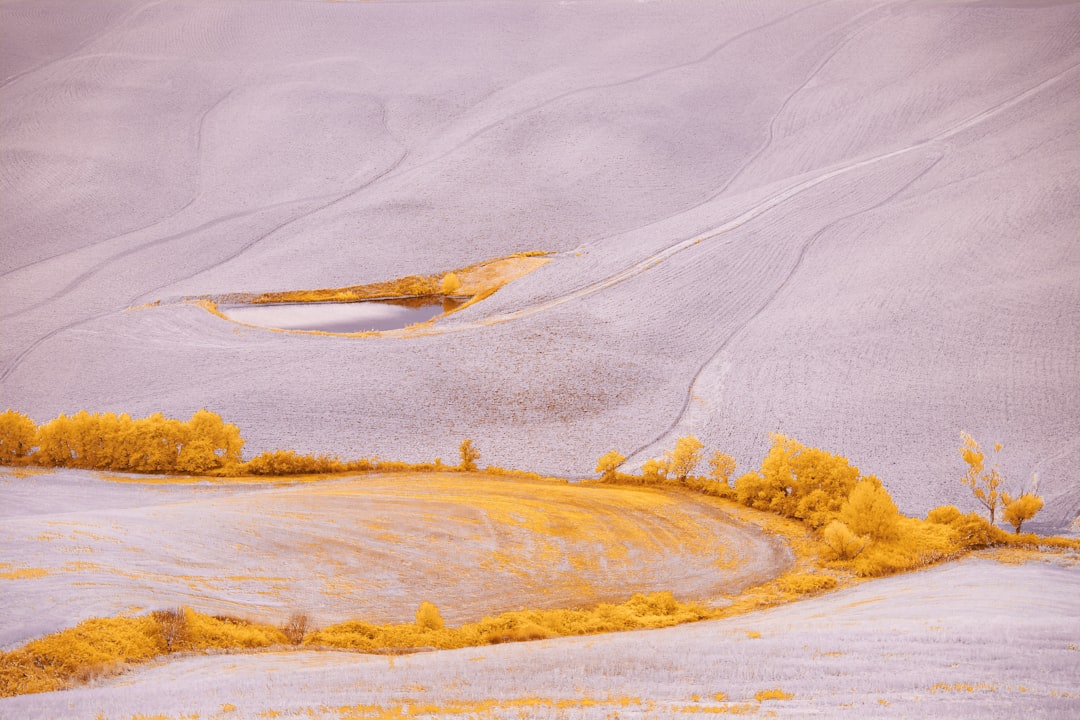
922	281
892	648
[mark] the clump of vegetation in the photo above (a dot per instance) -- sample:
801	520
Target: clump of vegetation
204	445
103	646
450	284
469	456
17	433
654	610
296	627
608	465
428	617
985	483
107	441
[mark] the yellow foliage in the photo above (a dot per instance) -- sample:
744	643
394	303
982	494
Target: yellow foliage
639	612
844	544
17	433
917	544
805	583
102	646
800	482
943	514
985	484
653	471
870	510
154	444
686	455
721	466
428	617
1021	508
608	464
450	284
773	694
469	455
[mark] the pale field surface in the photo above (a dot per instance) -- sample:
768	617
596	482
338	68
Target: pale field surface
363	548
886	197
971	639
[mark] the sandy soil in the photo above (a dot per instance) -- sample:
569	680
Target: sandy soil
369	548
974	639
854	223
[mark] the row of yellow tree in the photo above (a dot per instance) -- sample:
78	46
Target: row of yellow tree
107	441
203	445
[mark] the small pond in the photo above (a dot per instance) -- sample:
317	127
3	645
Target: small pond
342	317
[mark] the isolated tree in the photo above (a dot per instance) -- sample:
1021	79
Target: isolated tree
1021	508
469	455
608	464
721	466
428	617
870	510
985	484
296	627
684	458
450	284
17	433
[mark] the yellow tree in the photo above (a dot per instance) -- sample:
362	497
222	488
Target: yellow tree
17	433
450	284
684	458
721	466
608	464
1018	508
985	484
469	455
870	510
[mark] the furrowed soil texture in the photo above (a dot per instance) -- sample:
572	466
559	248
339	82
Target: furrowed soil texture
851	222
370	548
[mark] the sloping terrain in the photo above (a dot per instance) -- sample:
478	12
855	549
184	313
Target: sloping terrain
854	223
975	639
370	548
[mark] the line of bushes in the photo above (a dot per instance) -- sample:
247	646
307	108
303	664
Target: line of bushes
852	514
203	445
104	646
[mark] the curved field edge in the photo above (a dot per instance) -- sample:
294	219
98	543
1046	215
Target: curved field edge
101	647
975	638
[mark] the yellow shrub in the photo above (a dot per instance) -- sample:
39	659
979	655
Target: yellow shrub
943	514
17	433
800	482
205	632
773	694
805	583
92	646
870	510
428	617
844	544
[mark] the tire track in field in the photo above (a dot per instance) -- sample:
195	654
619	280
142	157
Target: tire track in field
759	209
766	303
107	29
195	196
605	86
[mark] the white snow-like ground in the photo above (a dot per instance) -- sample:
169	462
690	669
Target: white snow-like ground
370	548
856	223
972	639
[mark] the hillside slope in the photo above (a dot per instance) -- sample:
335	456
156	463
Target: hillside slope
974	639
854	223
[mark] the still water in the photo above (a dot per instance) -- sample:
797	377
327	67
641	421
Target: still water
341	317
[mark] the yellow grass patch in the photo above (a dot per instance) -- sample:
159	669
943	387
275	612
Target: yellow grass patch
474	283
11	572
